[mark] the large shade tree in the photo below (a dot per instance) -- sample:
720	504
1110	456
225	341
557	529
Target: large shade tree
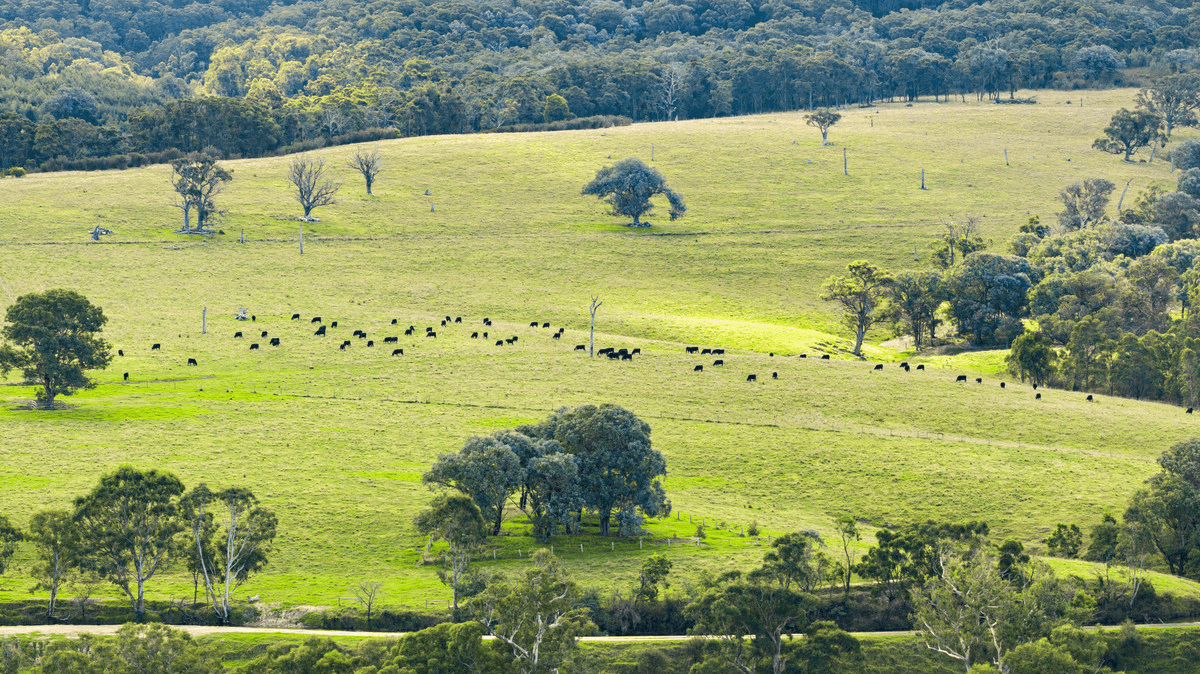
53	339
860	293
129	524
618	468
628	186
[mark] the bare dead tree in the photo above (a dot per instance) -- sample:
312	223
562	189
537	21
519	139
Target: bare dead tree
368	592
311	185
592	308
674	79
368	163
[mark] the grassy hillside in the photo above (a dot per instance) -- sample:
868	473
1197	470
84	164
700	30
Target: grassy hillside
335	441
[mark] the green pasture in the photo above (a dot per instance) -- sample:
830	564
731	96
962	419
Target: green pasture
335	441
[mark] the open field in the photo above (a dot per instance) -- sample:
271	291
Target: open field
335	441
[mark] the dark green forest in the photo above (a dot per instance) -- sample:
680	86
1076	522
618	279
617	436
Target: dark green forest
87	79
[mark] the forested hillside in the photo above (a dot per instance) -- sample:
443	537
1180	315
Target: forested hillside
89	79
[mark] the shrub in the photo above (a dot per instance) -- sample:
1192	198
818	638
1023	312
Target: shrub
16	172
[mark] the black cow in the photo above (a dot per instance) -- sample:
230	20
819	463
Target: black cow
1035	387
254	347
804	355
1001	384
581	347
412	328
605	350
343	346
698	368
316	319
237	335
545	325
515	338
962	378
556	335
447	318
718	362
345	343
921	367
333	324
274	341
706	352
253	318
370	342
320	330
387	340
774	375
485	335
692	349
622	350
627	356
155	347
356	333
362	335
877	367
192	361
824	356
751	377
408	332
719	352
397	352
533	324
295	317
126	376
772	354
613	355
904	364
431	334
443	324
508	341
429	328
499	342
458	319
1037	397
120	352
978	380
1189	410
1089	398
264	334
486	320
394	320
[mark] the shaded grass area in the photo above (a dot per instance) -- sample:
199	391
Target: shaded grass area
335	441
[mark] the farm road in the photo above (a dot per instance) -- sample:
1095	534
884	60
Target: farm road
202	630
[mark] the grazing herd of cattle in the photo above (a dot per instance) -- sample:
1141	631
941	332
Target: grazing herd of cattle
611	353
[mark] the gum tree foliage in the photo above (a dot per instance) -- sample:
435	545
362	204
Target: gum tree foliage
822	120
128	524
1032	357
553	493
904	558
861	293
534	615
628	186
618	468
455	519
9	537
136	649
1174	99
485	469
1097	63
311	184
913	302
989	296
1065	541
751	618
1127	132
55	537
198	179
231	535
73	102
1084	203
53	339
971	612
1186	155
1189	183
1167	508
